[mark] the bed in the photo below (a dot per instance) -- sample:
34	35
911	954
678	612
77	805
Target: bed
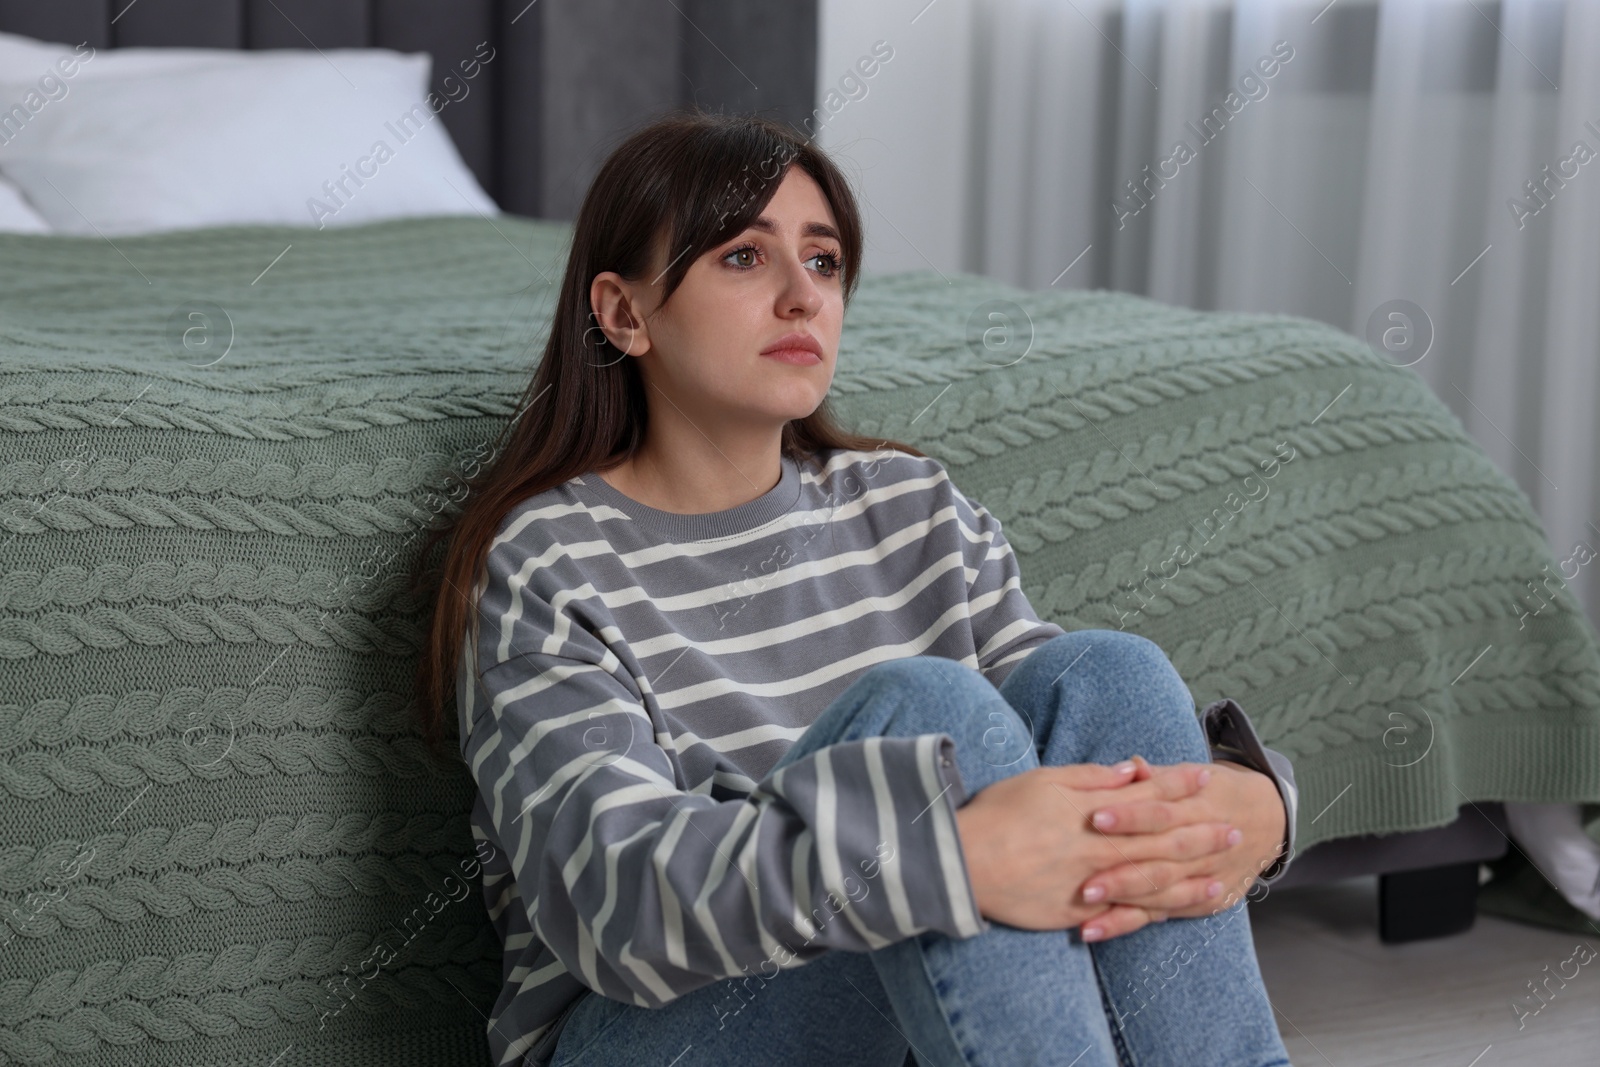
222	443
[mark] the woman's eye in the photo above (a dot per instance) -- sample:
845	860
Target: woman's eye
831	259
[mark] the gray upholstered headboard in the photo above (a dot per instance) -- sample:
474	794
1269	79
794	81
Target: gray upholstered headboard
568	77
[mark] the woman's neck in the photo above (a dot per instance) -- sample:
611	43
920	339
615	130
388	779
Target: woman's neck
697	478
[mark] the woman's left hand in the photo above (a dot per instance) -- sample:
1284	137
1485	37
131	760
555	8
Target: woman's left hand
1235	794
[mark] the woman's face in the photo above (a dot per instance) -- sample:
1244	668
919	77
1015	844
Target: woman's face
703	350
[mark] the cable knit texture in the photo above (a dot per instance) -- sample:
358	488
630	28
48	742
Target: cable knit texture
224	842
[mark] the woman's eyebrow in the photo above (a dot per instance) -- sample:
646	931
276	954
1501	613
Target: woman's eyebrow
810	229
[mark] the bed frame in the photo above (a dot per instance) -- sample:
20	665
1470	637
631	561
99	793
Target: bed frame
1427	879
534	152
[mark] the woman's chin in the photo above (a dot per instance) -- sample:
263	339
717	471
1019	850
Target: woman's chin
796	400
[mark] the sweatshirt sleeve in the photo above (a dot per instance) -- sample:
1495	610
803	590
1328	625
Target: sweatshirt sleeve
646	891
1233	737
1004	626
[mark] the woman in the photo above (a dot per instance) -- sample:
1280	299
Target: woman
740	688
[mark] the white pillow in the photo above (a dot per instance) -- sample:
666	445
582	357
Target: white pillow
16	214
281	137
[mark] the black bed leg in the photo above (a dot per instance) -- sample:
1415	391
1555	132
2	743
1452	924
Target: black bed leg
1431	902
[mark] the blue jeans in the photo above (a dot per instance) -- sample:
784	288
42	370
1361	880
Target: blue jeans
1184	992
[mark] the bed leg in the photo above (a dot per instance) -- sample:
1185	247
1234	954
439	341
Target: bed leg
1431	902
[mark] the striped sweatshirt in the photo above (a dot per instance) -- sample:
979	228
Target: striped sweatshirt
638	674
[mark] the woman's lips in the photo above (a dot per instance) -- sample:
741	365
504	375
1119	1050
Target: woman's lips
799	356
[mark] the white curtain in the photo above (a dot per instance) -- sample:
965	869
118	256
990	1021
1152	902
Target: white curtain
1440	152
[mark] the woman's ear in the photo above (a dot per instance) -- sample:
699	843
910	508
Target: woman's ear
612	299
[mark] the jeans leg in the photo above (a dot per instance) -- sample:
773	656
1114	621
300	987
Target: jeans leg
1187	990
832	1010
1008	995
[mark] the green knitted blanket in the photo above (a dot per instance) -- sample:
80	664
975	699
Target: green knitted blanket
218	450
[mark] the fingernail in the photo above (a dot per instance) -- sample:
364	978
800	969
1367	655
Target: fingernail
1104	820
1094	893
1214	889
1205	776
1125	767
1235	836
1093	933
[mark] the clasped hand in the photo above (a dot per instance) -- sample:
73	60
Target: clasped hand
1184	839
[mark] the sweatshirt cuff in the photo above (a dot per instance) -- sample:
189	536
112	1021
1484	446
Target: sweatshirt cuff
1233	737
933	853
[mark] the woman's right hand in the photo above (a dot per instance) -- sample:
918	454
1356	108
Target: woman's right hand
1029	844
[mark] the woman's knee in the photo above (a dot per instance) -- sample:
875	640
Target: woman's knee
950	697
1131	655
1096	653
918	671
1118	672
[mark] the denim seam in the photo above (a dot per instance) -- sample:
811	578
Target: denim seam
968	1056
1107	1005
594	1038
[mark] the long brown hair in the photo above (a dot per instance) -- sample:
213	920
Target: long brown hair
698	179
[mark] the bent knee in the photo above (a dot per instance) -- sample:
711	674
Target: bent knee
951	697
1115	652
923	671
1111	662
1130	651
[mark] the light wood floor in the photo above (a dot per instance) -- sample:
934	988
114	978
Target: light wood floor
1345	999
